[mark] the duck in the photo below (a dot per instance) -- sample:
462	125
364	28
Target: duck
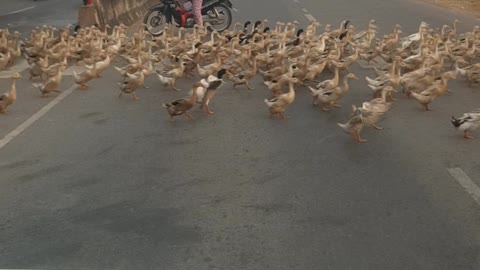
211	84
52	83
328	97
437	89
169	78
332	83
379	106
131	84
245	76
84	77
355	123
4	59
210	69
8	98
279	104
182	106
468	122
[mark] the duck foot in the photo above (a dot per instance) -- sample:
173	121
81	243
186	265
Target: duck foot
283	116
468	137
359	139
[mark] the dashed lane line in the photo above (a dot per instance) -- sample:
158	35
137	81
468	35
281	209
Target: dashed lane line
462	178
17	131
304	10
20	10
18	68
310	17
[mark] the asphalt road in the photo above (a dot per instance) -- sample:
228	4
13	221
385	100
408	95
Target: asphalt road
24	15
105	183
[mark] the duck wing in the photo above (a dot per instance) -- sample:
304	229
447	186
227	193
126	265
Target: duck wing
369	117
214	84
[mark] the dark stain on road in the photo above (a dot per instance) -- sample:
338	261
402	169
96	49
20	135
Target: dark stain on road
84	182
105	151
102	121
41	173
191	183
159	225
270	208
47	254
89	115
21	164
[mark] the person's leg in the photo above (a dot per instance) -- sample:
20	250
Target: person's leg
197	11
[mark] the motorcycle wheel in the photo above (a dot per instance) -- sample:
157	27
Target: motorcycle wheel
221	23
154	21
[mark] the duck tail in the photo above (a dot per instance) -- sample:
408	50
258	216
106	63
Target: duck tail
343	126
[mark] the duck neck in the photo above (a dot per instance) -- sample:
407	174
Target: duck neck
346	87
336	76
254	68
291	89
384	96
13	90
444	81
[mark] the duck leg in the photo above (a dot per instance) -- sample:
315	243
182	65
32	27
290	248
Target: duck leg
426	107
188	115
208	109
359	139
248	86
174	85
135	96
466	136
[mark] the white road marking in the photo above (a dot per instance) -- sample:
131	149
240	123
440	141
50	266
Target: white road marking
20	10
467	183
21	66
296	1
310	18
17	131
304	10
69	71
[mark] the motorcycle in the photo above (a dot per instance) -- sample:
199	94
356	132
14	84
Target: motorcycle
216	13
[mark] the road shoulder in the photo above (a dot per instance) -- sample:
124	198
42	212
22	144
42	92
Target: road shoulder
466	7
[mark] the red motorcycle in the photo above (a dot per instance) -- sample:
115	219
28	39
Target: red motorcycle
216	13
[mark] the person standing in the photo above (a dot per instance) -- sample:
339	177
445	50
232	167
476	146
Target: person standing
197	11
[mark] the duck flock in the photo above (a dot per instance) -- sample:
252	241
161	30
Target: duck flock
287	57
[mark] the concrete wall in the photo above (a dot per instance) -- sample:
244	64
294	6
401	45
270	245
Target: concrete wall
114	12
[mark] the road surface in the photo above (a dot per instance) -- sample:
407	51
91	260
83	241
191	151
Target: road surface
99	182
24	15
